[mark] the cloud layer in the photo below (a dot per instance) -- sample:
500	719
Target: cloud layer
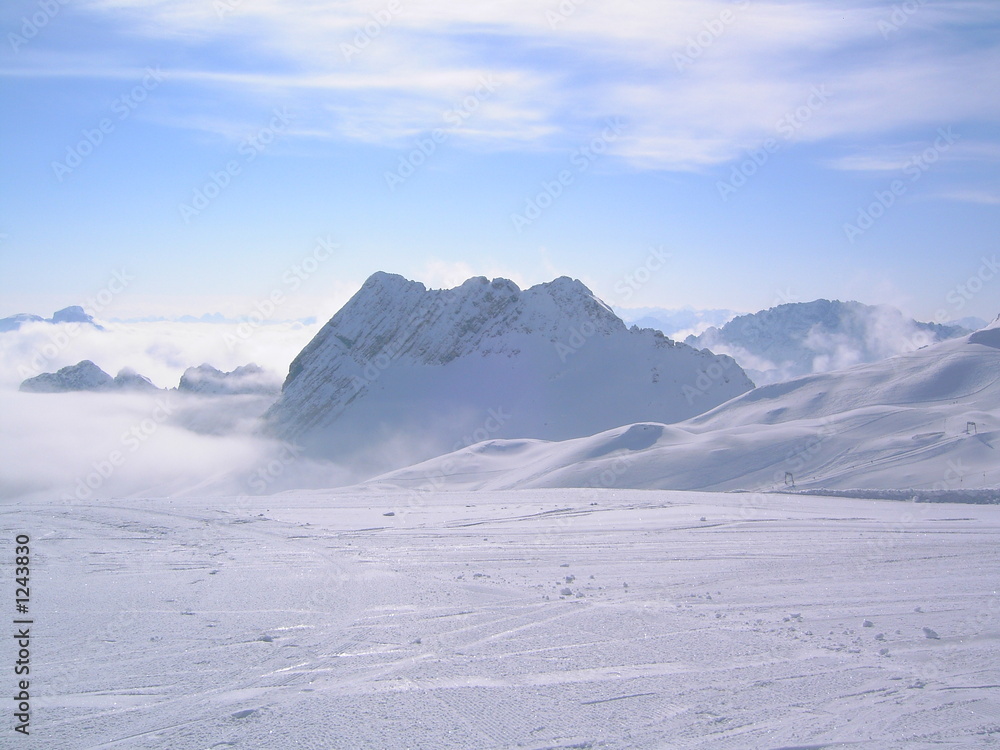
698	81
87	446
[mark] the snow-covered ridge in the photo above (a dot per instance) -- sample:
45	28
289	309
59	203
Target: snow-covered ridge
796	339
435	326
432	363
71	314
204	379
988	336
247	379
927	420
86	376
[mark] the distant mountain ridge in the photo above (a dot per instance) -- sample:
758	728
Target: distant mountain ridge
247	379
403	372
801	338
204	380
86	376
71	314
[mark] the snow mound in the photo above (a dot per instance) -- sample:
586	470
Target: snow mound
988	336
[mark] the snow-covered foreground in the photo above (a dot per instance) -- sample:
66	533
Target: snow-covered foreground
523	619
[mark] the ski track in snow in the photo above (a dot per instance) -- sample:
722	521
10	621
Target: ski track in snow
535	619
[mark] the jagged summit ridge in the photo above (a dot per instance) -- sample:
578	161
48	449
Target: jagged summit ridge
393	316
402	358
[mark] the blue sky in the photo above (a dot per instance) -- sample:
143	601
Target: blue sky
771	151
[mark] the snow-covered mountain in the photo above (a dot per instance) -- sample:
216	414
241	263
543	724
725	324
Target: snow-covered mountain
403	372
14	322
204	379
801	338
129	380
86	376
71	314
247	379
925	420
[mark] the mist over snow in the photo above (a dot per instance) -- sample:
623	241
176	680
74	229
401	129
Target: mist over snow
106	444
923	421
246	379
160	350
82	447
796	339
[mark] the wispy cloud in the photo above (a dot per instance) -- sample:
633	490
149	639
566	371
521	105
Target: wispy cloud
982	197
698	81
896	156
161	351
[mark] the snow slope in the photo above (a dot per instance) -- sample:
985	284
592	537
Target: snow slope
607	620
802	338
403	373
899	423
